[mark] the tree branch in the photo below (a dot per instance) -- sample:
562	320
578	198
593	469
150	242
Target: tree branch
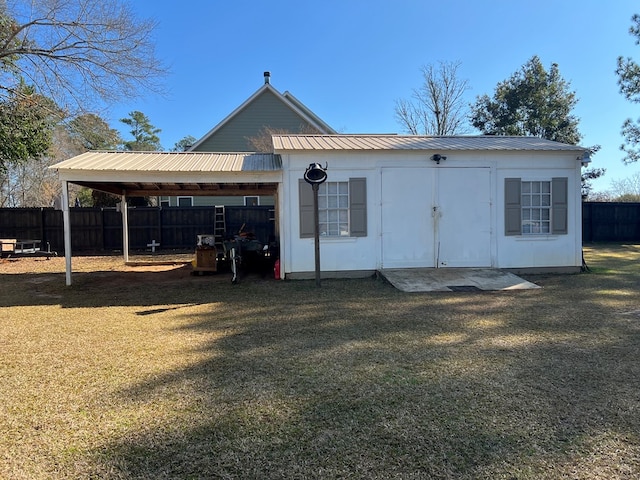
81	52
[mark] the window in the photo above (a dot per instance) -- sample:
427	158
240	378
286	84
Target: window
536	207
185	201
333	209
251	201
164	202
342	209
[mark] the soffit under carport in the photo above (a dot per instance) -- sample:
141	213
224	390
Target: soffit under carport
149	189
174	173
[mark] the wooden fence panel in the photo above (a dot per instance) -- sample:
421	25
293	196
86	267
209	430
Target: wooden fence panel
256	220
21	223
112	233
87	229
144	226
610	222
100	229
53	229
182	225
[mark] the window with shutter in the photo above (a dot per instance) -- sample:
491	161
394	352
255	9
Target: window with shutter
536	207
559	202
358	207
342	208
512	214
306	209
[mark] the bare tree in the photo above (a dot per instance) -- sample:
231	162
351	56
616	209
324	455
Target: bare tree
77	52
30	184
626	189
438	106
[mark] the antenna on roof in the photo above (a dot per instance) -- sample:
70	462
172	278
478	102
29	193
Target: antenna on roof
267	77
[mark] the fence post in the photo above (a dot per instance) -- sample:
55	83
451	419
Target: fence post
591	223
101	220
42	229
160	240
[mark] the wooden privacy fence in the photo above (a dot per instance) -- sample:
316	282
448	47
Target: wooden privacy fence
610	222
100	229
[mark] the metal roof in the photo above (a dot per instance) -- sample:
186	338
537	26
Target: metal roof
172	162
414	142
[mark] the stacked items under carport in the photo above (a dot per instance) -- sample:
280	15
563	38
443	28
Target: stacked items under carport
206	254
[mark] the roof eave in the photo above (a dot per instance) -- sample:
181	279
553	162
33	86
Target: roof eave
389	143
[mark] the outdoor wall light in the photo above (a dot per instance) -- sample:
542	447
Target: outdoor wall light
437	157
315	174
585	158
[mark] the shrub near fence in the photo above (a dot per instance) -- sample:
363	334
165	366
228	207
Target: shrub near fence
100	229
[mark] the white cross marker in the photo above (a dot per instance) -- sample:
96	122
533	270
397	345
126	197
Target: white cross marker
153	246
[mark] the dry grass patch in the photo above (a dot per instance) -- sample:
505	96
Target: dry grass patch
136	373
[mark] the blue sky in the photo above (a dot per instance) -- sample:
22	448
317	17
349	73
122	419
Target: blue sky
350	60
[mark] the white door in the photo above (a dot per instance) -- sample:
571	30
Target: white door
407	223
436	217
463	222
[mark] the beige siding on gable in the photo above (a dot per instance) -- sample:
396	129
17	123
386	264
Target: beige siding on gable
267	110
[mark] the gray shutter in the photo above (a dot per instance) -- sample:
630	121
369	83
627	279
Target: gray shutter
307	227
358	207
512	206
559	197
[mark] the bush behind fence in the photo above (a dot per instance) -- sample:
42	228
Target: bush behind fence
100	229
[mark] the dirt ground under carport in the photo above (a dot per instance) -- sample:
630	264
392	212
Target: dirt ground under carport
112	269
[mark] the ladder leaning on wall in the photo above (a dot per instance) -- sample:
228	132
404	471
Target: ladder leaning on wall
219	227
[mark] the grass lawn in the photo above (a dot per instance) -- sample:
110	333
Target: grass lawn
136	373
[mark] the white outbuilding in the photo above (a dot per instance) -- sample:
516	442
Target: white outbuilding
413	202
389	201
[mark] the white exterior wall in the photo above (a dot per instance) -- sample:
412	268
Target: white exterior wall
540	251
366	254
337	254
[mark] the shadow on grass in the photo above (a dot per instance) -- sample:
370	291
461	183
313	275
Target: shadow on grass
358	380
112	288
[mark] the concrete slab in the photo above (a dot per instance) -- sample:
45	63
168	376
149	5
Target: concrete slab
454	279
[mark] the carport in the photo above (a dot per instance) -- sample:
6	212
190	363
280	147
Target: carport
142	174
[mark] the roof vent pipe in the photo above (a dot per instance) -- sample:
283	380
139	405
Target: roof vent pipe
267	77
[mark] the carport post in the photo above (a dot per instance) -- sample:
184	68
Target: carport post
66	223
125	227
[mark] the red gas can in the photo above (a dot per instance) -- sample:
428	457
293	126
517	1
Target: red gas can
276	270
